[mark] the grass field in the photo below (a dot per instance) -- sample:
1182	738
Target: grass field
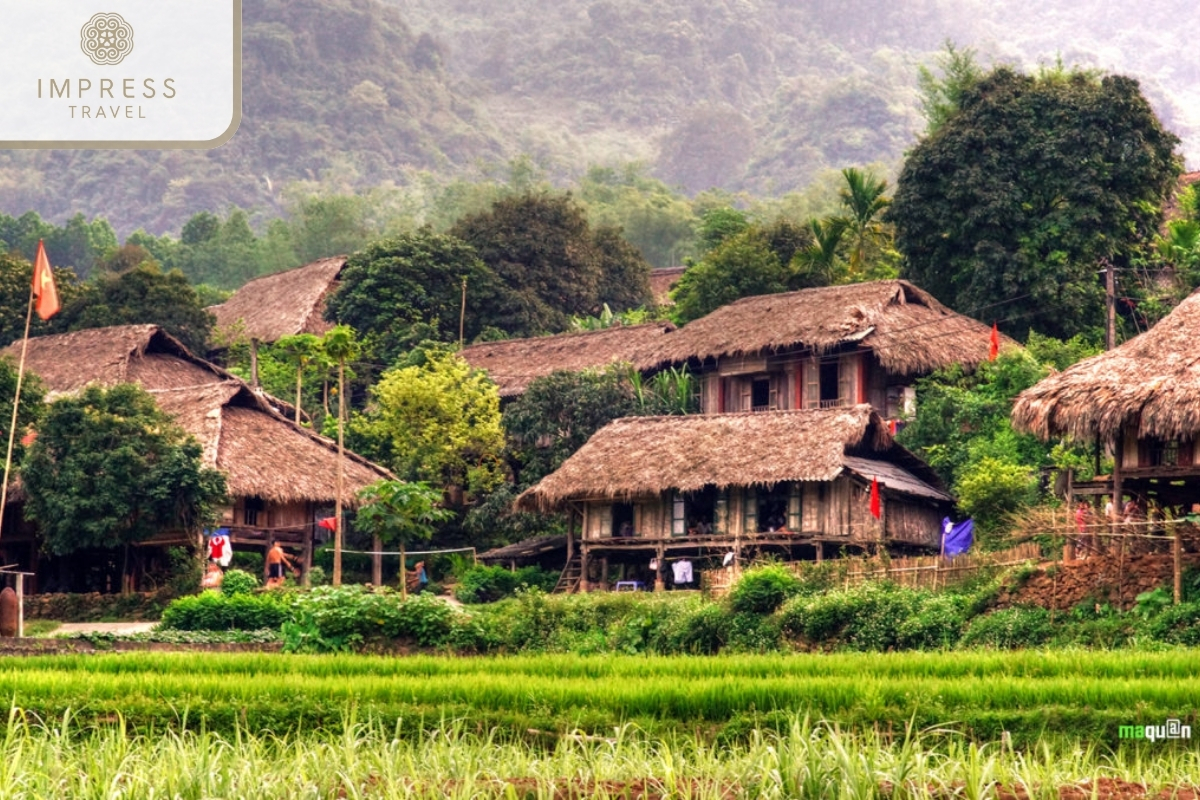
1026	697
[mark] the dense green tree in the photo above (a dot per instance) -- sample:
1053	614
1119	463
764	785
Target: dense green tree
554	265
1020	193
398	291
962	430
557	414
75	245
108	468
28	415
144	294
755	261
437	420
657	221
16	279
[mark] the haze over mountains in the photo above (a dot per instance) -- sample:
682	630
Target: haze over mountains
755	95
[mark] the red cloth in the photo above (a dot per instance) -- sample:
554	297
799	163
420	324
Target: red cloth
329	523
994	350
876	511
43	285
216	547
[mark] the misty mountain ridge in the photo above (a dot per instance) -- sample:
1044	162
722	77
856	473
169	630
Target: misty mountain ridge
746	95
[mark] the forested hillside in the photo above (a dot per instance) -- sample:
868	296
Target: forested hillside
755	95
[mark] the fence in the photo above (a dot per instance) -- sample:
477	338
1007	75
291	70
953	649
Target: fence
928	572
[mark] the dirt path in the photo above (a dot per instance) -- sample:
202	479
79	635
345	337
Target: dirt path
103	627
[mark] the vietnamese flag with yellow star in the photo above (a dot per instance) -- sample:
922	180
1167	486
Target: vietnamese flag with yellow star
43	285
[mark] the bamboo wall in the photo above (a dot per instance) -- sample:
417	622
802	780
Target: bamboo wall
835	510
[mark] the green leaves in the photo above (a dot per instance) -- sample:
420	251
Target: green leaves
1024	188
400	511
109	468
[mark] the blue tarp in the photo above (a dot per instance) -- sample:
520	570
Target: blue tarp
957	538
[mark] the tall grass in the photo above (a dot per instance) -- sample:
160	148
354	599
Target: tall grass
370	759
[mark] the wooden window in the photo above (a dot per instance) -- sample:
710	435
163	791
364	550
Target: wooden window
721	515
795	521
847	391
251	510
811	393
750	510
678	515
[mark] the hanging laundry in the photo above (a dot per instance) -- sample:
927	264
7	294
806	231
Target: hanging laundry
727	560
957	539
682	572
654	564
220	551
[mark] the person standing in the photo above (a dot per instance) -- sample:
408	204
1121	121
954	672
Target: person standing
276	561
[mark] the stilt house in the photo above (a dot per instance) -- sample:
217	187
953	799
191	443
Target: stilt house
281	476
794	482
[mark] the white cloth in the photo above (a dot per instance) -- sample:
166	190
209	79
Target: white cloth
725	562
682	571
220	550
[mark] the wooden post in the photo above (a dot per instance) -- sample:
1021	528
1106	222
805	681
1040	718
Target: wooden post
1177	553
1069	547
403	574
820	551
570	534
254	363
376	561
1118	489
20	606
306	556
604	573
660	585
584	587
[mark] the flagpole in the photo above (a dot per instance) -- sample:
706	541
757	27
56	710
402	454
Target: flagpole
12	429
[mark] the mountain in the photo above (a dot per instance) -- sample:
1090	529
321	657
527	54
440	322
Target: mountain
746	95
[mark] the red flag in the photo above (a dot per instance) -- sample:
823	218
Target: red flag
875	509
329	523
994	350
43	285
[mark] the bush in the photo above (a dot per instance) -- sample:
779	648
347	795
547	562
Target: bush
1010	628
237	581
1177	625
346	617
764	589
213	611
938	623
483	584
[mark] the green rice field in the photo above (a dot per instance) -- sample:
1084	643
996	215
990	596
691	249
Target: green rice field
1023	697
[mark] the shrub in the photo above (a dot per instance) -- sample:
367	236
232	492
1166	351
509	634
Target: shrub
938	623
764	589
345	617
484	584
1177	625
1010	628
238	581
213	611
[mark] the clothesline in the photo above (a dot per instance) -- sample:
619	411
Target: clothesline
409	552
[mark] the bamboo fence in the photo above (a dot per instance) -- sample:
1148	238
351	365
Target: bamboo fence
926	572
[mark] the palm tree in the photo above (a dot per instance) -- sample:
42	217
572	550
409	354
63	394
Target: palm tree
818	262
299	350
863	199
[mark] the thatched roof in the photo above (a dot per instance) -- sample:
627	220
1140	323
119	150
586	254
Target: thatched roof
144	354
910	332
262	453
662	281
526	549
515	363
281	304
1151	382
636	456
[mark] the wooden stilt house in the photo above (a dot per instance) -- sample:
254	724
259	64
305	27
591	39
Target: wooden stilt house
794	482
